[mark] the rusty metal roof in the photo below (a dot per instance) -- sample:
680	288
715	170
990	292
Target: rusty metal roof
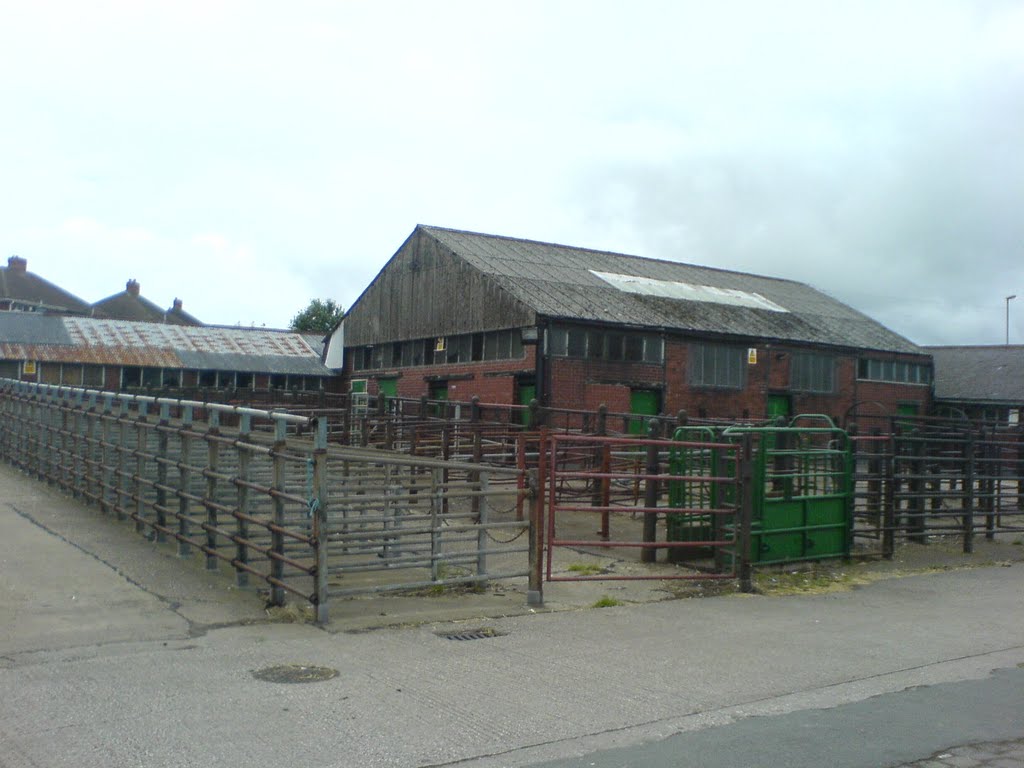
578	284
27	336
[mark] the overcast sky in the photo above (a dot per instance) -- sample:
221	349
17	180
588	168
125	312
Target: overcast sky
250	156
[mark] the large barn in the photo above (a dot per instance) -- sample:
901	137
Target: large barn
455	314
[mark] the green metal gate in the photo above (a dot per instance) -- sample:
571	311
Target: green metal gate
801	490
693	456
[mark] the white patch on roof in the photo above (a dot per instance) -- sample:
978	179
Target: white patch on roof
91	332
670	289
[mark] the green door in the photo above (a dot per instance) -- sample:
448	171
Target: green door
387	387
527	392
906	409
778	405
643	402
438	391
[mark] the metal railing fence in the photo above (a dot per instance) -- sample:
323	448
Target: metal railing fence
264	493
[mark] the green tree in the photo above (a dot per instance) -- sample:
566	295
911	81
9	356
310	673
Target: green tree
319	317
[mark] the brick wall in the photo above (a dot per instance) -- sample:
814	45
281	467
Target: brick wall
587	384
492	381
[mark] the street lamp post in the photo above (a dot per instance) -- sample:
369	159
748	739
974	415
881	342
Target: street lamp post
1014	296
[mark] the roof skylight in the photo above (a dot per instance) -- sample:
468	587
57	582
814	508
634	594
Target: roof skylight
669	289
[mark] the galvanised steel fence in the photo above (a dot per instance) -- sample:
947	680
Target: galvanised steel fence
925	477
264	493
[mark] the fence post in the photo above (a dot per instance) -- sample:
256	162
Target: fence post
107	478
889	511
162	457
243	500
482	532
1020	466
93	480
916	525
746	513
967	500
533	421
650	535
138	491
213	465
42	455
121	451
77	454
474	477
875	465
321	533
989	463
850	484
436	483
536	480
276	536
46	410
184	481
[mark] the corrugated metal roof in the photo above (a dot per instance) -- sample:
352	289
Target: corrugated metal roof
560	281
62	353
979	374
26	336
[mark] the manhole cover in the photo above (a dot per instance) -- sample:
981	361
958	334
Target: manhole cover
294	673
471	634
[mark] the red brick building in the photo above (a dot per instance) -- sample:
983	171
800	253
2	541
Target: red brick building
456	314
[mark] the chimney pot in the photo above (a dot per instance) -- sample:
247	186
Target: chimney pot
17	264
177	305
132	287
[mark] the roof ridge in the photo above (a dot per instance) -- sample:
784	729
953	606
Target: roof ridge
429	227
975	346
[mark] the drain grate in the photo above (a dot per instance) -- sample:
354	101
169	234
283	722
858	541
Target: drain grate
294	673
472	634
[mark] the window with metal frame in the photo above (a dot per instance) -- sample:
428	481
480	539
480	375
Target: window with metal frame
895	371
717	365
812	372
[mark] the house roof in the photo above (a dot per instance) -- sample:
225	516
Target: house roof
28	336
179	316
979	374
129	304
19	285
580	284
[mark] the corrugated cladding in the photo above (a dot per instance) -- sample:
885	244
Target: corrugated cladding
557	281
27	336
990	374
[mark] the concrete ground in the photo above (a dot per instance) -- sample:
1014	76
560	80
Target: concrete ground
114	652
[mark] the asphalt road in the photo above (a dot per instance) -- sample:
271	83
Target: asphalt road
887	730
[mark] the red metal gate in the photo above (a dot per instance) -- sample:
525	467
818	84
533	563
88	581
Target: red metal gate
619	488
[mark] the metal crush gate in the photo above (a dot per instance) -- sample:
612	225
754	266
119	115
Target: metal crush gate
801	490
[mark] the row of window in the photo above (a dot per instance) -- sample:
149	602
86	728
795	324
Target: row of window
895	371
464	348
714	365
135	377
597	344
